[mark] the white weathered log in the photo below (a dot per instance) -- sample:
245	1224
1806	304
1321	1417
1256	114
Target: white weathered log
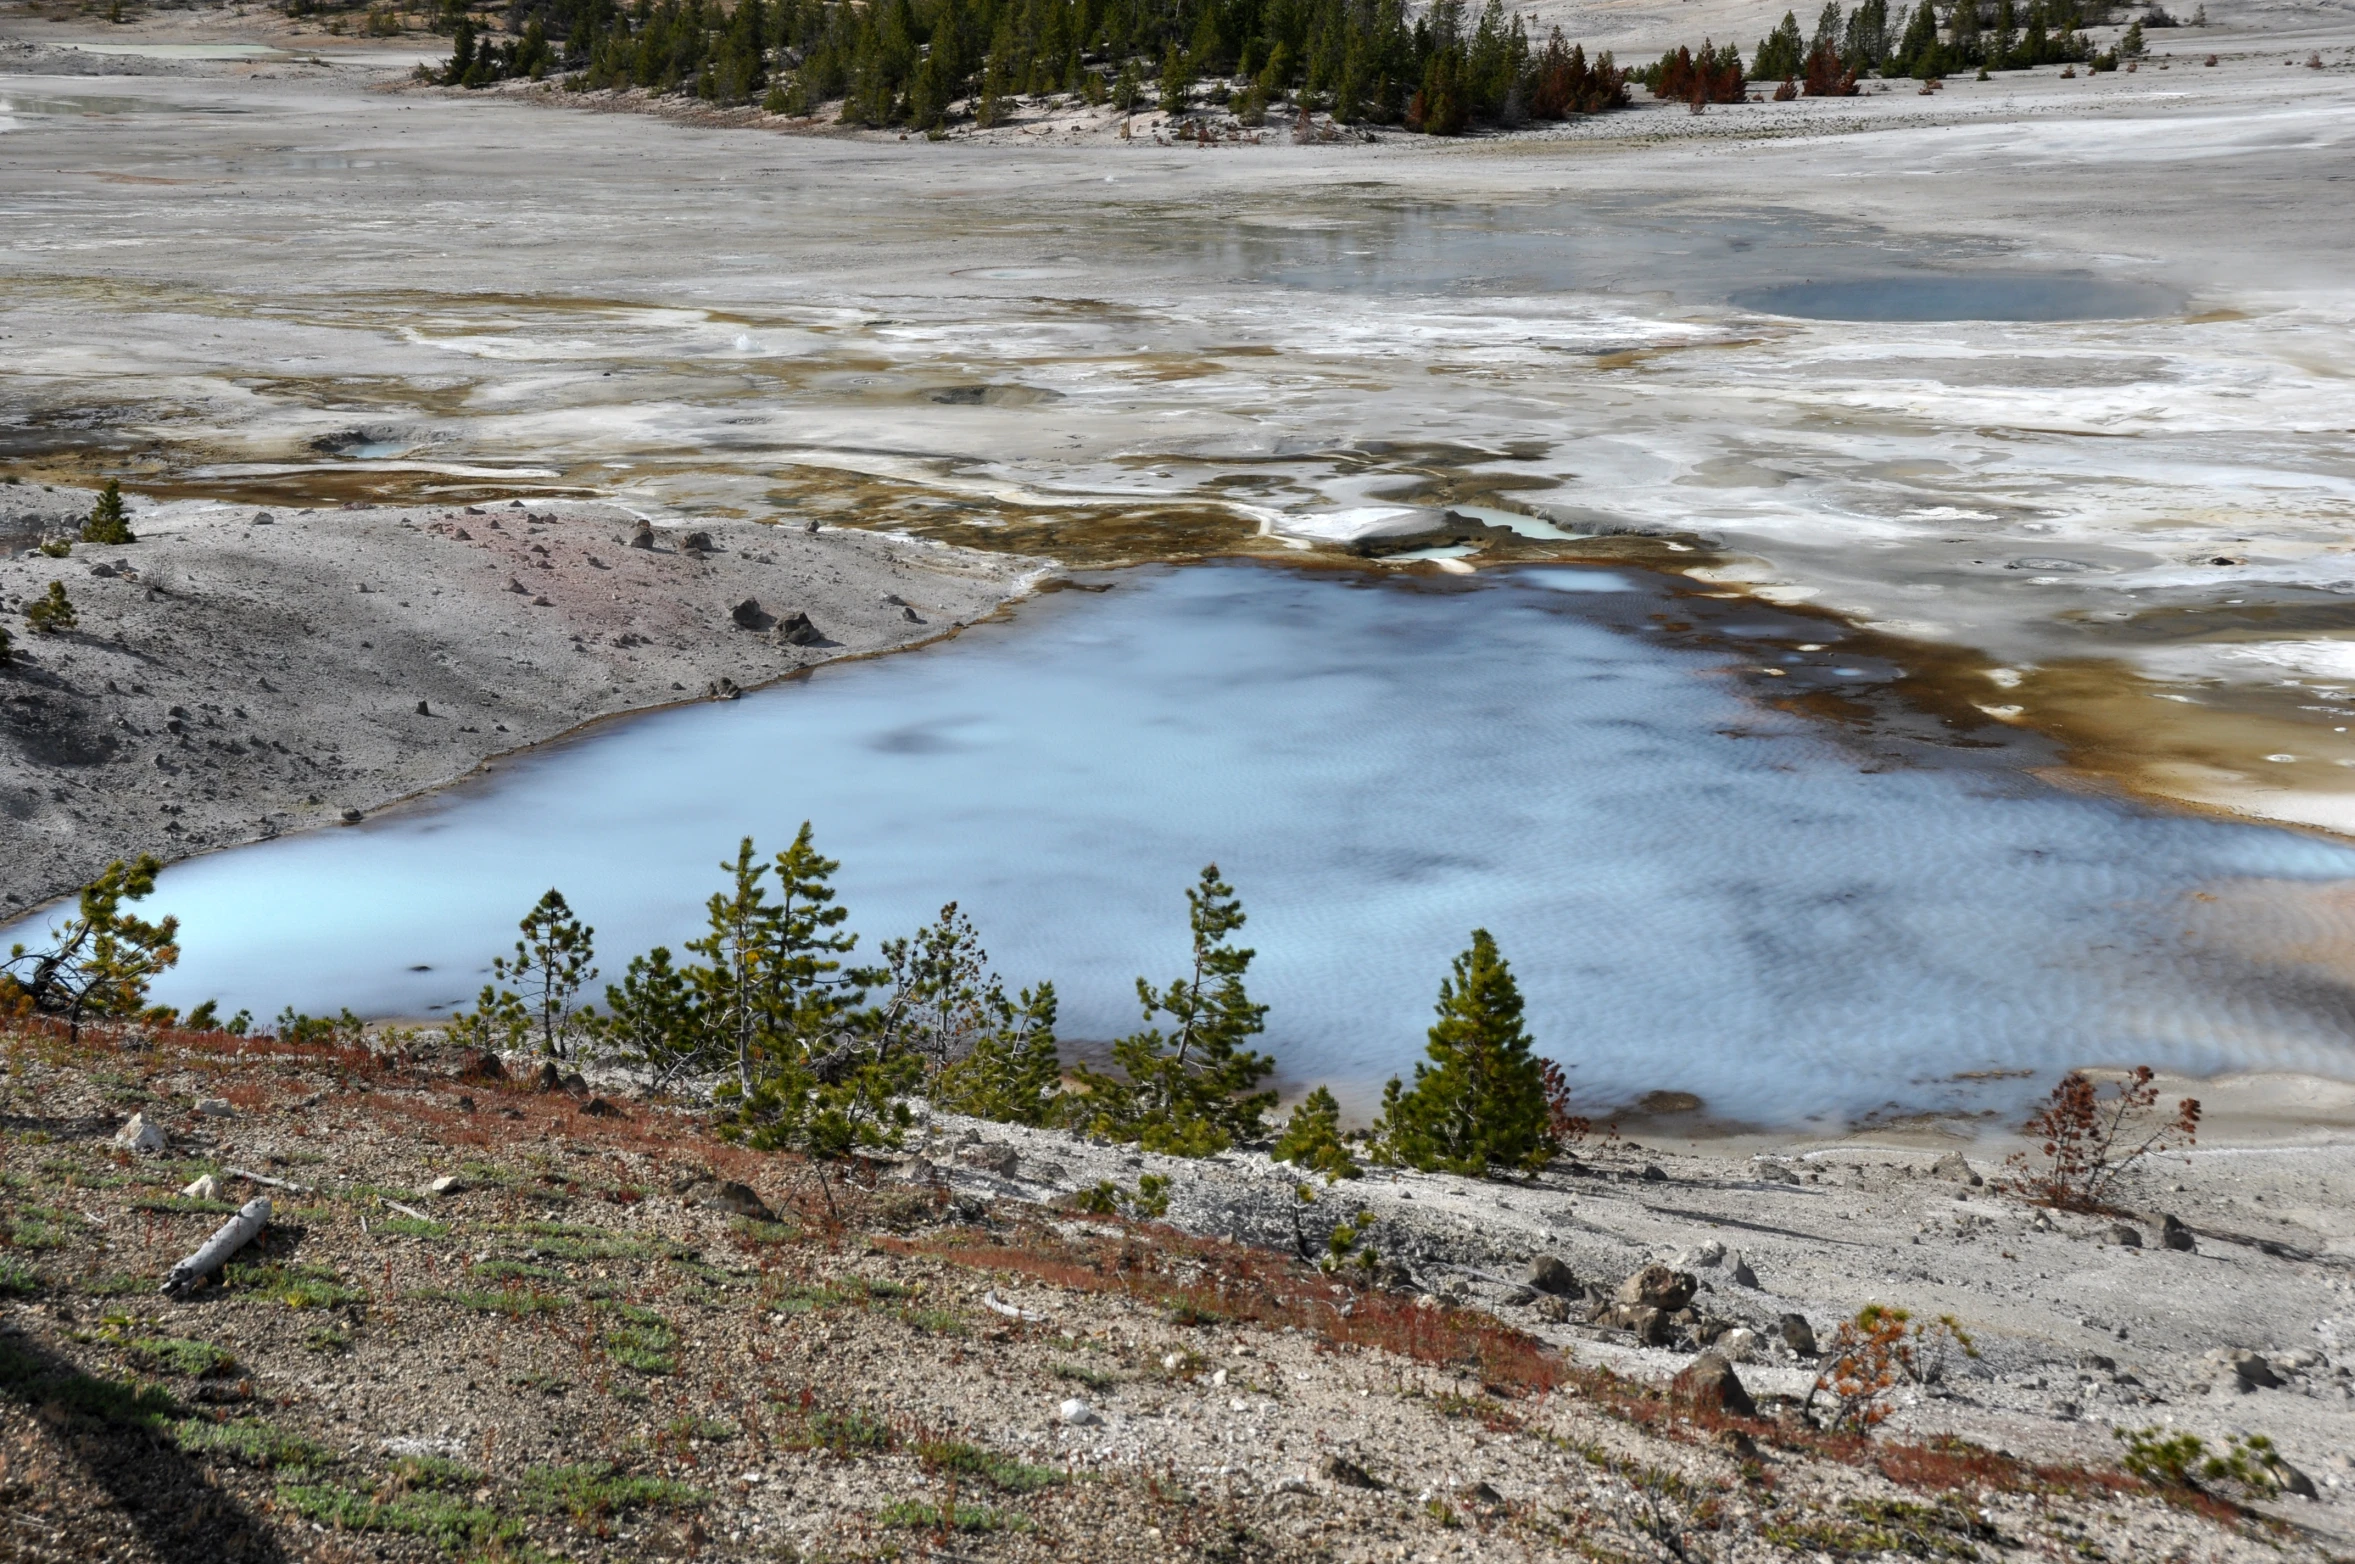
227	1239
997	1305
411	1212
267	1182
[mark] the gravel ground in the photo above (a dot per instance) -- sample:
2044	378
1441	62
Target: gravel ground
237	672
587	1347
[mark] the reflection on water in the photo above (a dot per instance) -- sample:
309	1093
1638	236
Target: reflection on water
1698	894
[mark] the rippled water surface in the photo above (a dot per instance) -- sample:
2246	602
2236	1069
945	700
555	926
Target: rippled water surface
1698	893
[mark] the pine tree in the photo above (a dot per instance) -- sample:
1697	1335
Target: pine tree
551	962
1481	1101
655	1019
1177	81
107	523
1312	1139
53	612
1013	1073
1189	1092
100	961
1779	52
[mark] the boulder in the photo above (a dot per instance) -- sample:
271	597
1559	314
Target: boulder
2251	1371
215	1108
795	629
749	615
1704	1257
1798	1335
1548	1274
1741	1275
2294	1481
2124	1236
1776	1173
642	538
1646	1324
918	1170
2176	1236
737	1200
1653	1175
448	1184
991	1157
1737	1345
206	1187
1953	1166
1658	1287
1341	1469
550	1078
698	543
1078	1413
1552	1310
1710	1386
139	1135
484	1066
600	1108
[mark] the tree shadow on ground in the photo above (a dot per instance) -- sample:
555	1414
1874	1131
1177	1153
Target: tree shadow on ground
120	1435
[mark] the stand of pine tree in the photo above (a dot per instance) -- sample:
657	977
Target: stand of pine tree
1927	42
921	64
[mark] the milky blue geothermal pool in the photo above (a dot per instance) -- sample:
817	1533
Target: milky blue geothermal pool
1698	893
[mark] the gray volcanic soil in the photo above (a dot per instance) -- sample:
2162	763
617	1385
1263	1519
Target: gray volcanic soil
231	679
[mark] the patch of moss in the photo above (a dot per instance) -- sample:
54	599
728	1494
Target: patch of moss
251	1442
296	1286
638	1338
598	1489
181	1355
451	1523
918	1515
1000	1471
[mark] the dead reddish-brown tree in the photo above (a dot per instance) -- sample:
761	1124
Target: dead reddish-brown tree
2088	1142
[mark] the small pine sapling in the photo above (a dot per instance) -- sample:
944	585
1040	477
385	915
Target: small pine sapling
1312	1139
2087	1144
654	1019
1189	1092
108	523
551	965
1872	1354
53	612
1481	1101
100	961
980	1052
2167	1458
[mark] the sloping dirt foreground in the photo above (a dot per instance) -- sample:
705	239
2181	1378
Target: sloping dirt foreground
237	672
592	1343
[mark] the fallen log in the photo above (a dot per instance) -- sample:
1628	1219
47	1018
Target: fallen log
266	1181
227	1239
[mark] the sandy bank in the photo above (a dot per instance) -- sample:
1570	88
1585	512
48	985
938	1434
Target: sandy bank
238	673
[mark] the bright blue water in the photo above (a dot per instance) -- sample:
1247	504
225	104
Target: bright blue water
1378	766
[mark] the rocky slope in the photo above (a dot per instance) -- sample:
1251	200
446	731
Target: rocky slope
495	1320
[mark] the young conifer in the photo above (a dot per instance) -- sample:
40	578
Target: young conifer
1188	1092
1312	1140
1481	1101
52	612
107	523
551	965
